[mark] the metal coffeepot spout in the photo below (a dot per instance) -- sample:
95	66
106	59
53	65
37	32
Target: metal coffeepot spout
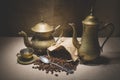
42	37
89	49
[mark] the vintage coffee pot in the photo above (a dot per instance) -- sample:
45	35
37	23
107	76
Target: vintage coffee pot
42	37
89	49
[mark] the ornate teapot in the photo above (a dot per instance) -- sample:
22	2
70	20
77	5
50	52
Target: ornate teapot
89	49
42	37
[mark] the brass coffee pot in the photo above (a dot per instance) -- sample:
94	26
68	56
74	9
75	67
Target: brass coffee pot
89	49
42	37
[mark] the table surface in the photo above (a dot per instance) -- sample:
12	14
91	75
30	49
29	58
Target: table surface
108	69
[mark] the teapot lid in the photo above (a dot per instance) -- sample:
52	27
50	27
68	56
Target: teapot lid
90	19
42	27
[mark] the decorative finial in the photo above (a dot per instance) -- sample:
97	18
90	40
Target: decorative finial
41	18
91	11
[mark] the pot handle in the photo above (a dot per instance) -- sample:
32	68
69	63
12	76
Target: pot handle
57	27
61	34
111	26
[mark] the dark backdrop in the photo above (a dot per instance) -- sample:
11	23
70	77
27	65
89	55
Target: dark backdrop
17	15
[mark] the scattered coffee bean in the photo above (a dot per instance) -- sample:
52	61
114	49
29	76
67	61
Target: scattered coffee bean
52	68
56	74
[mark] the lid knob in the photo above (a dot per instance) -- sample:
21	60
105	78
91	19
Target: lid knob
90	19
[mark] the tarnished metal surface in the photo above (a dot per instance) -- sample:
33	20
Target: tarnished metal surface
89	49
42	27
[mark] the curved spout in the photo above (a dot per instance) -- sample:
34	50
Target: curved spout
26	40
74	38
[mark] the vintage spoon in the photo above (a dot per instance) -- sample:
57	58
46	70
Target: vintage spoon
46	60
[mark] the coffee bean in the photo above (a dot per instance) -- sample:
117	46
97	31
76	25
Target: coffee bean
47	71
56	74
33	67
67	73
52	68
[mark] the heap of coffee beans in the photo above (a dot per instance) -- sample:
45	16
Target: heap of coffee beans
50	68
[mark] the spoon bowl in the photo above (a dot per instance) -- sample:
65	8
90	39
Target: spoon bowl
44	59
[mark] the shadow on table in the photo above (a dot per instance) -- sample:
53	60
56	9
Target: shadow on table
102	60
115	60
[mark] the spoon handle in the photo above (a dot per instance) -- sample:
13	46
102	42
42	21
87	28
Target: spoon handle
68	71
